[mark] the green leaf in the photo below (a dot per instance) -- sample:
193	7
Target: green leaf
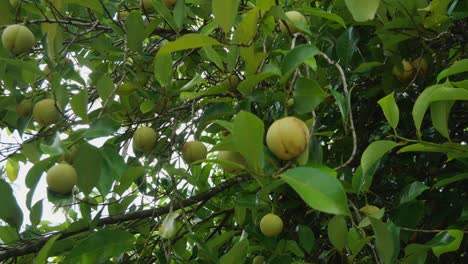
346	45
306	238
374	152
88	167
319	188
363	10
12	169
440	112
324	14
307	95
10	212
105	86
102	127
163	69
456	68
384	241
338	232
356	242
53	149
248	134
166	14
410	192
452	246
135	30
293	247
225	12
390	109
248	27
246	86
43	254
36	213
100	246
79	104
368	66
294	58
179	13
189	41
8	234
456	178
421	147
238	252
91	4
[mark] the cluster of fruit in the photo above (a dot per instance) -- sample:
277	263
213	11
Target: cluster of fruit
418	66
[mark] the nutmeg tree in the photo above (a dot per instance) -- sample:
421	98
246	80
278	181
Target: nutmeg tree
234	131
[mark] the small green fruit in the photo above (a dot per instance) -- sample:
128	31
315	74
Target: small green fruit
70	156
258	260
24	108
231	156
122	15
169	3
45	112
271	225
231	83
61	178
147	6
126	89
287	138
406	74
295	17
18	39
193	151
420	65
144	139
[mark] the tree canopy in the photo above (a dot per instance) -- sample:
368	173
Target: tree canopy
234	131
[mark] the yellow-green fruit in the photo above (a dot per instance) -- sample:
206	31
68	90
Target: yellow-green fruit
144	139
70	156
126	89
405	74
271	225
13	2
258	260
18	39
287	138
61	178
295	17
169	3
147	6
24	108
231	156
122	15
162	105
420	65
231	82
45	112
193	151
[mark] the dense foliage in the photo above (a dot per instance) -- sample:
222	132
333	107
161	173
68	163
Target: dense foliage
380	85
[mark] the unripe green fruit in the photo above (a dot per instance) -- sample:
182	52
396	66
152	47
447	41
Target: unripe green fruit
258	260
126	89
70	156
122	15
24	108
61	178
271	225
144	139
405	74
287	138
18	39
231	82
147	6
295	17
45	112
169	3
420	65
13	2
231	156
193	151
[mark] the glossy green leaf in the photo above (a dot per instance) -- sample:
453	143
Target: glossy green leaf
390	109
324	14
363	10
457	236
456	68
346	46
306	238
319	188
449	180
337	232
102	127
91	4
135	30
10	212
163	69
384	241
105	87
225	12
88	167
295	57
36	213
246	86
238	253
79	104
440	112
189	41
43	254
410	192
307	95
248	27
374	152
248	134
100	246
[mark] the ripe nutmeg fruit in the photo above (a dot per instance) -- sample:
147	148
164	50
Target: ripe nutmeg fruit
18	39
45	112
271	225
193	151
287	138
144	139
24	108
61	178
406	74
231	156
295	17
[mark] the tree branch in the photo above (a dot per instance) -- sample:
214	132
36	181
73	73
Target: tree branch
32	246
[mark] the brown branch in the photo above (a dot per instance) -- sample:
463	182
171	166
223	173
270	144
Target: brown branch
32	246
